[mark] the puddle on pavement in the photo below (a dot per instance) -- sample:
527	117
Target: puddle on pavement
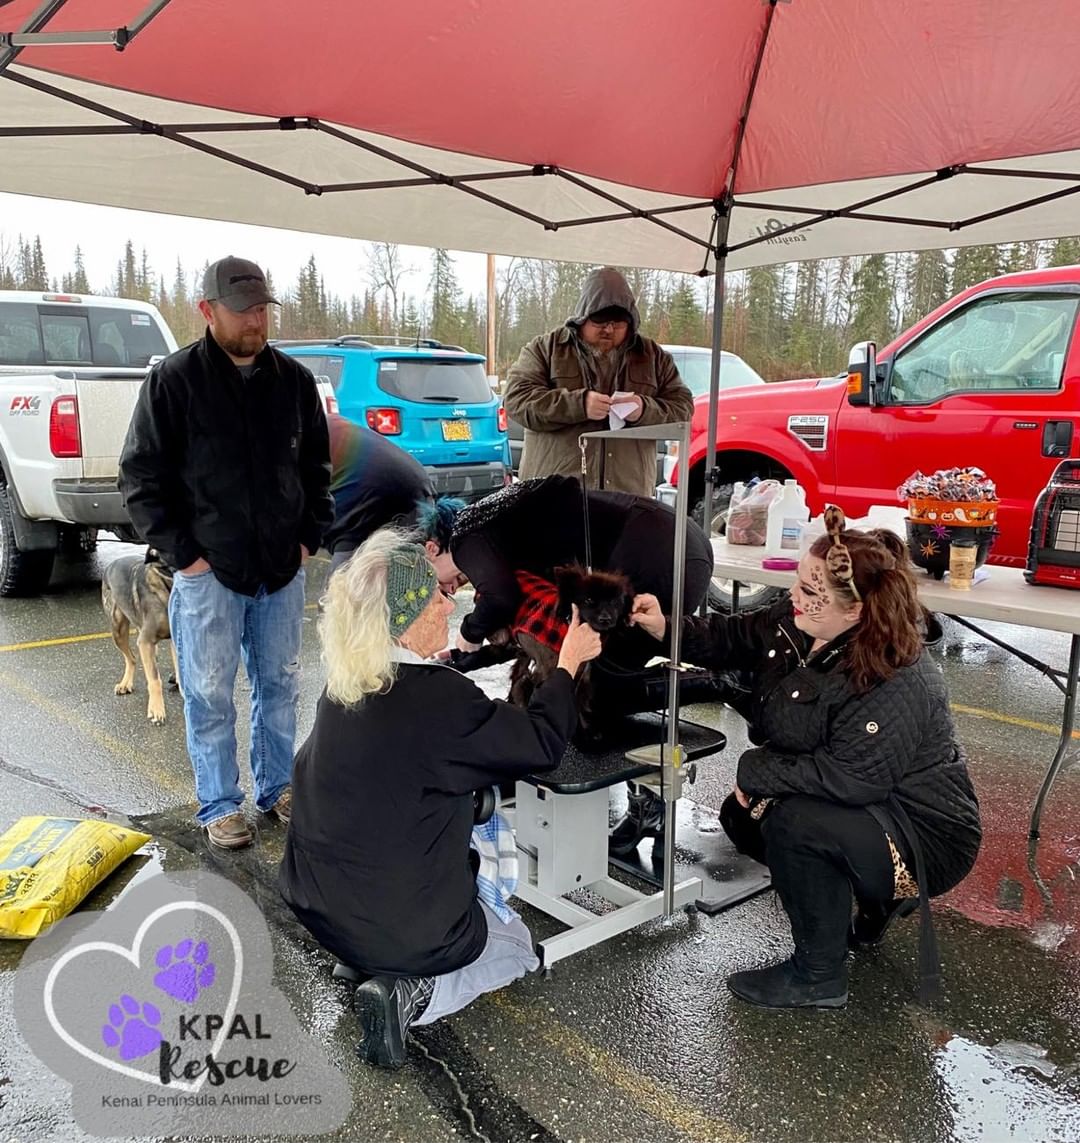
1010	1084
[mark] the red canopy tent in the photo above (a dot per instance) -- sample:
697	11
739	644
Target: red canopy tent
691	135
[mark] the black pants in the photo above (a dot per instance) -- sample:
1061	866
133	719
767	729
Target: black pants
818	854
644	551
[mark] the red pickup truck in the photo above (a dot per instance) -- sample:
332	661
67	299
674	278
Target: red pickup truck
990	379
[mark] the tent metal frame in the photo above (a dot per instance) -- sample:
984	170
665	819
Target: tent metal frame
715	248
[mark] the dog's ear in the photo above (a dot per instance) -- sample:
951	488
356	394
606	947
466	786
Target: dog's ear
568	580
152	556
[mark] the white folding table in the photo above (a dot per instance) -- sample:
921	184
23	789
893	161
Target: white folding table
1004	597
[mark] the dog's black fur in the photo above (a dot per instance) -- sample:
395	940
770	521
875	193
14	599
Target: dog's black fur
604	601
135	594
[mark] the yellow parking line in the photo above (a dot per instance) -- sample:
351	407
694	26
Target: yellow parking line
143	762
78	638
653	1097
55	642
1011	719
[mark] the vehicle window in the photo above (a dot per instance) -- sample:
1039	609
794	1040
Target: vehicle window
328	367
694	369
66	337
314	364
435	379
20	335
332	368
1001	342
124	337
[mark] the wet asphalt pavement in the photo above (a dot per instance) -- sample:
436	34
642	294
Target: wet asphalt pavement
638	1038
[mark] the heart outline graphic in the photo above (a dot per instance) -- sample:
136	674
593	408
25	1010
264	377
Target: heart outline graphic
133	956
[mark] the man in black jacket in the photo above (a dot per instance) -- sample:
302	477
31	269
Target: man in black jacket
226	472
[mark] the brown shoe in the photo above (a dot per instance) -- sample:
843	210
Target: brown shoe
282	808
230	832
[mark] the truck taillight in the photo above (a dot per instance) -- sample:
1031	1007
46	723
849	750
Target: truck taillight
385	421
61	298
502	419
64	427
331	404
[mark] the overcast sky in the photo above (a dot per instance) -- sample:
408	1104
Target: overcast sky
101	232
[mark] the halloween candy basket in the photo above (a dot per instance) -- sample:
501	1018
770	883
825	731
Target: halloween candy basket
951	506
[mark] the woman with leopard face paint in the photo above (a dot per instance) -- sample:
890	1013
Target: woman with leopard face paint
855	789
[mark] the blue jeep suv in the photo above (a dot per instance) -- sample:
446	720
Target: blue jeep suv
432	400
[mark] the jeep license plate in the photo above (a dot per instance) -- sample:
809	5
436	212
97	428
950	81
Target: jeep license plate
456	431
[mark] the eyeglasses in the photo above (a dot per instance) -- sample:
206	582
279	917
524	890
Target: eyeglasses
620	324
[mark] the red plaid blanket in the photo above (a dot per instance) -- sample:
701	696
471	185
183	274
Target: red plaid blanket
537	614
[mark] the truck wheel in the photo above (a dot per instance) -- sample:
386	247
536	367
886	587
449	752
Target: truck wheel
720	590
21	573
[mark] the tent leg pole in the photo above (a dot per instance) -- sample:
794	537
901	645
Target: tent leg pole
714	386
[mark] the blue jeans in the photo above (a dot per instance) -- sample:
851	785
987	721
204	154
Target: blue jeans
212	627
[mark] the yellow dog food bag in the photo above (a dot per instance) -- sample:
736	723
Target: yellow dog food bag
48	865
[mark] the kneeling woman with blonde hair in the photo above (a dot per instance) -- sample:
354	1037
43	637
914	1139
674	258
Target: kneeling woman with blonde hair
377	861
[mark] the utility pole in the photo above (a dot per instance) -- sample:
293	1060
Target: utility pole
491	315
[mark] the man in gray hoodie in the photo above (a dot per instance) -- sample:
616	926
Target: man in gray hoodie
563	384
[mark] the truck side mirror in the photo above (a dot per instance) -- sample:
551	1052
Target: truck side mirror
862	374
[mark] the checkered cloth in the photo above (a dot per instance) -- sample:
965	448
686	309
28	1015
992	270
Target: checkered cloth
497	877
538	612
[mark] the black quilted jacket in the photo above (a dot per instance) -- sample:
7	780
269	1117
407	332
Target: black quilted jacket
814	735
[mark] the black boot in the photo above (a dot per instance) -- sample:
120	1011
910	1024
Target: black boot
816	896
871	922
786	985
644	817
387	1008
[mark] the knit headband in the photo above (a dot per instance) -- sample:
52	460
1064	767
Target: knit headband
410	585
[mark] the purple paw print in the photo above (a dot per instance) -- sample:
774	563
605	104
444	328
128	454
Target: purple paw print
185	970
132	1028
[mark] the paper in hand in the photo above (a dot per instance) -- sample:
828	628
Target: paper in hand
624	404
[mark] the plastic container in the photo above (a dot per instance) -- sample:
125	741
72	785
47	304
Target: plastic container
880	516
787	514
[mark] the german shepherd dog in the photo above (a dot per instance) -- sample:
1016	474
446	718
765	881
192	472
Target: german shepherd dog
135	594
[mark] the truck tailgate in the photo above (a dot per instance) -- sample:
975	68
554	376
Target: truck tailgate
106	400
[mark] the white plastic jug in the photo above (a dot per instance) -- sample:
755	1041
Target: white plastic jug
787	514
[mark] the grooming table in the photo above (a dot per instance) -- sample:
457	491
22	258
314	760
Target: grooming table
561	822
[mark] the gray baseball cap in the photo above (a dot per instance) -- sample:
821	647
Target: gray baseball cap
237	283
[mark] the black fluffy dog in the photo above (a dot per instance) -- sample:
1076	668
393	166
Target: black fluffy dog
603	600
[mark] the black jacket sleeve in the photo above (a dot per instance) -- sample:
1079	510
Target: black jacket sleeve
150	462
314	467
497	591
486	740
723	641
872	742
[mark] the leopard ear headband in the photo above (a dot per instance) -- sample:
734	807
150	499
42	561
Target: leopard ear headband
838	559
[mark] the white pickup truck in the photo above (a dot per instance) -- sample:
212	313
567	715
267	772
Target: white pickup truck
70	371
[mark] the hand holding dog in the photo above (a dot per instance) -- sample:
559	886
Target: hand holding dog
647	615
581	644
200	565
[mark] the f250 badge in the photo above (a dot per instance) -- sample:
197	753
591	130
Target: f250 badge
24	407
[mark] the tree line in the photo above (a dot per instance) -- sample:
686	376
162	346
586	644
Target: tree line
792	320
